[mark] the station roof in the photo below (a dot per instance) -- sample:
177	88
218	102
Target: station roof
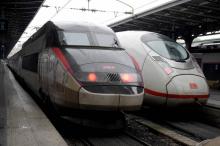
15	15
176	19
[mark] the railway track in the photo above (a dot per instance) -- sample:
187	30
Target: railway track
152	127
123	139
120	139
186	128
76	136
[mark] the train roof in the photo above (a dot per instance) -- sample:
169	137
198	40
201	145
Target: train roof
79	26
148	35
82	26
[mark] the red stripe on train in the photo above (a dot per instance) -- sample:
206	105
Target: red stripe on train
63	59
156	93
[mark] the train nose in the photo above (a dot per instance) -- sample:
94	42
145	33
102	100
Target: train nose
187	89
100	101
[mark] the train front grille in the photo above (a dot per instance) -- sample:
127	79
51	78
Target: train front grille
112	77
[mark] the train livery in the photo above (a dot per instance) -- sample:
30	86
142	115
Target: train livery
79	66
171	75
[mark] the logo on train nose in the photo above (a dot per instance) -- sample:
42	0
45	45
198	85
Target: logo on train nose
193	85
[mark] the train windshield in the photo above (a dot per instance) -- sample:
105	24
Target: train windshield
75	38
104	65
169	49
88	39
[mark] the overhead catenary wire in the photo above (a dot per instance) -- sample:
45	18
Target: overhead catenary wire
57	11
91	10
59	8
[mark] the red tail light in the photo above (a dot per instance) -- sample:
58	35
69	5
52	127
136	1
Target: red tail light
92	77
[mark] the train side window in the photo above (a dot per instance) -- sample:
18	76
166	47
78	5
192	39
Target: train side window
30	62
211	71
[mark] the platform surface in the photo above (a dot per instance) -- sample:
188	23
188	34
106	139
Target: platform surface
22	123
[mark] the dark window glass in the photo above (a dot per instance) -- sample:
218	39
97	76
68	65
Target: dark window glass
88	39
30	62
168	49
211	71
87	55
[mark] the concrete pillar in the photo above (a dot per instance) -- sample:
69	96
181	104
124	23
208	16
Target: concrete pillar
173	35
188	41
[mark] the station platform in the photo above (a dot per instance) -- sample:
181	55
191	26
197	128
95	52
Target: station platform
22	123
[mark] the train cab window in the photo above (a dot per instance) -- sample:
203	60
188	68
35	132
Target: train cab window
30	62
169	50
107	40
73	38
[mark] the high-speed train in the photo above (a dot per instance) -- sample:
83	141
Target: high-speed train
171	75
79	66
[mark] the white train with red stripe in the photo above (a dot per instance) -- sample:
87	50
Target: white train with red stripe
171	75
80	68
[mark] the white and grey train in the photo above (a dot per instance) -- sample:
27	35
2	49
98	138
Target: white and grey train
171	75
79	67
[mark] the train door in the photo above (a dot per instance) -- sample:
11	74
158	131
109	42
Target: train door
43	71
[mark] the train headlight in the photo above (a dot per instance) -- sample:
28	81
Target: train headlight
109	74
128	77
92	77
167	69
105	77
163	64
